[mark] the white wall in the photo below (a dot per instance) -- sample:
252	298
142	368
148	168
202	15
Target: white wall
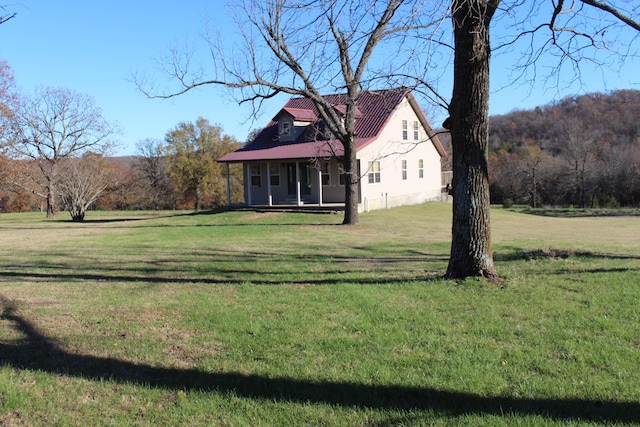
390	149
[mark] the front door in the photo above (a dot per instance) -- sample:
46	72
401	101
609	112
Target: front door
303	174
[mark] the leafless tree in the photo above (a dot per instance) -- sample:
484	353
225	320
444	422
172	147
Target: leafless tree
151	169
6	16
57	124
82	181
304	49
534	159
9	104
569	32
580	151
622	175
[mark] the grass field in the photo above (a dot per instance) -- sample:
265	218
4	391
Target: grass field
268	319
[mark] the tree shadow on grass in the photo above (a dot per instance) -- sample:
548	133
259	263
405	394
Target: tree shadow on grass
214	266
39	352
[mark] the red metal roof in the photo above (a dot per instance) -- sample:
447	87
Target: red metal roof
298	114
375	109
342	109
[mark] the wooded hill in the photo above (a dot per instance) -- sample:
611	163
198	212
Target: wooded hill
581	151
612	118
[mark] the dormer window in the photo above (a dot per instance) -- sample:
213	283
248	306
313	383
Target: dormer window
328	134
292	122
286	128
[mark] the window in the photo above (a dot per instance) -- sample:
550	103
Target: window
286	128
404	130
374	172
326	175
404	170
256	176
420	168
416	130
343	176
275	175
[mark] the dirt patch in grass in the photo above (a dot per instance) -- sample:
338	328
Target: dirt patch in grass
552	254
189	356
254	216
11	419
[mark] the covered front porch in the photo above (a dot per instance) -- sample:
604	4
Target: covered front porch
327	208
294	183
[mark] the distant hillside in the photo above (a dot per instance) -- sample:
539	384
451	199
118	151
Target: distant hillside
612	118
580	151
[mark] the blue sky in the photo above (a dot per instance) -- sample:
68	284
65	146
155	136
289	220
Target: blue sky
94	46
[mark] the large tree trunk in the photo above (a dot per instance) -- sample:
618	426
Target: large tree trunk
351	180
471	253
51	200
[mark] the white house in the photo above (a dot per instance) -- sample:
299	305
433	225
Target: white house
294	160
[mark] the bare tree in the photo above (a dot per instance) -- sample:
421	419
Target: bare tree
151	169
534	159
471	252
6	16
56	124
622	175
570	33
303	49
82	181
9	103
580	151
8	106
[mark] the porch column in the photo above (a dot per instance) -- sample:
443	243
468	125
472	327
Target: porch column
319	184
270	197
247	182
298	200
228	186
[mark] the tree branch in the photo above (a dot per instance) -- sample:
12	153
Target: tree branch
615	12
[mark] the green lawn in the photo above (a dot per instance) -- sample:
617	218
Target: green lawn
267	319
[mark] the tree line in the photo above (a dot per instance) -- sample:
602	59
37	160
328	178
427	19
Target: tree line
182	172
580	151
179	172
54	154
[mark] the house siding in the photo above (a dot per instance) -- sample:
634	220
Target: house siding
390	150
